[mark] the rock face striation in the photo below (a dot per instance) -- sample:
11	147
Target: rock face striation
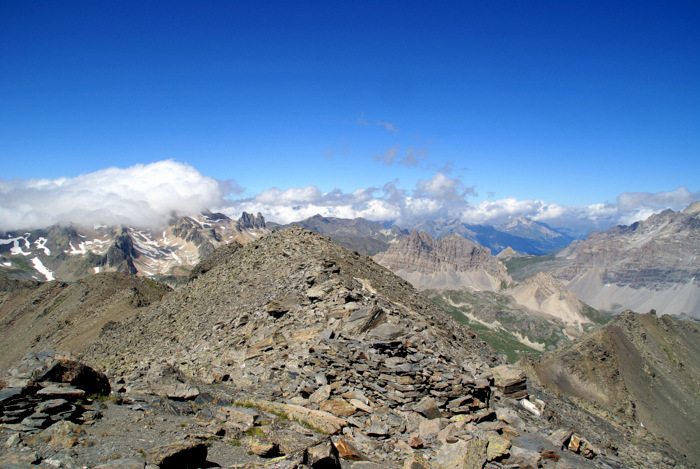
651	264
448	262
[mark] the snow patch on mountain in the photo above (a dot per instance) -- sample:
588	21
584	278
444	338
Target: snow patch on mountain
39	266
16	249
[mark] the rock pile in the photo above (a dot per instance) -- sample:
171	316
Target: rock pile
292	352
45	389
46	400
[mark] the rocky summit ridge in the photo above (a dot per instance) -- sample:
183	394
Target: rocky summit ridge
293	352
280	294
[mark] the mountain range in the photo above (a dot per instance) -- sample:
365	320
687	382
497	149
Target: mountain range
651	264
291	350
69	253
521	234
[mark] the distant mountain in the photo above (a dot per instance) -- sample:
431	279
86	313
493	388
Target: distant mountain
466	281
544	294
521	234
69	253
651	264
358	234
449	262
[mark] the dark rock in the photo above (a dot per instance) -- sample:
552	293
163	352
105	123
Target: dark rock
179	455
322	456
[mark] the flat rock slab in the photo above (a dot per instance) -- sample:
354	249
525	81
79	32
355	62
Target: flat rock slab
19	459
324	421
58	391
9	394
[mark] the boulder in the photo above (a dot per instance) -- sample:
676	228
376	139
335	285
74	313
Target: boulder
338	407
347	451
62	434
322	456
179	455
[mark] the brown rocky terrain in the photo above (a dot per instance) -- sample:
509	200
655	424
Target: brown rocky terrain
68	317
640	371
294	352
449	262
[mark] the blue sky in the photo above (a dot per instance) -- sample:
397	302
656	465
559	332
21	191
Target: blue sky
540	104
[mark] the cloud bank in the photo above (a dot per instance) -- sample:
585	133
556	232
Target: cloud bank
147	195
445	197
142	195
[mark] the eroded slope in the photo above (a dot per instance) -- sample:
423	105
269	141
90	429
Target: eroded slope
640	371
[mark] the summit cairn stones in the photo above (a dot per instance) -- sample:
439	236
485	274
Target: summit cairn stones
510	380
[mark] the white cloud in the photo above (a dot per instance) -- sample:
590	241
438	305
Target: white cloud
631	201
388	157
146	195
142	195
388	126
444	197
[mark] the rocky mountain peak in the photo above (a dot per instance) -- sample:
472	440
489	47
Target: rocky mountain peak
284	292
692	209
651	264
449	262
544	294
248	222
72	252
507	254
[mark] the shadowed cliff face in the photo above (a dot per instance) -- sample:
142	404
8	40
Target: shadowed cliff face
641	371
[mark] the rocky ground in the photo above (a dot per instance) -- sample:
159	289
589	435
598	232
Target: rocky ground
61	413
294	352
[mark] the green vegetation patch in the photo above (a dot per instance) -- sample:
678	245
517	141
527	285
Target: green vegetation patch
498	308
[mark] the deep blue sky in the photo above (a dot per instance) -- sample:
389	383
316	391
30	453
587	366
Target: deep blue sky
568	102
